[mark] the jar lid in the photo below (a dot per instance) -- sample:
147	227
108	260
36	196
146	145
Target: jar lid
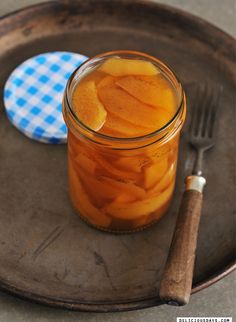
33	95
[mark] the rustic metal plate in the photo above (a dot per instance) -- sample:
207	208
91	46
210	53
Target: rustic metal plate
47	253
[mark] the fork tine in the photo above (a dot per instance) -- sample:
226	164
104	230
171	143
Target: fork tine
195	116
194	113
204	112
209	103
210	110
215	109
201	112
204	121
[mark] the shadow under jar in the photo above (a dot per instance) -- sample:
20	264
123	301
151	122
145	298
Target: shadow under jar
121	182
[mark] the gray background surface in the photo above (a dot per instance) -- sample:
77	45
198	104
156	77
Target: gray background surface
217	300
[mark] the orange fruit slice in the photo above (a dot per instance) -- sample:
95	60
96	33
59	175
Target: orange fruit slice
156	93
96	77
85	163
98	188
117	127
154	173
125	198
165	181
106	81
127	187
82	202
121	66
133	163
87	106
102	189
125	106
164	96
134	210
106	167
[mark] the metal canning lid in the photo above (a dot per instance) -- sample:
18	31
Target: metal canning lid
33	95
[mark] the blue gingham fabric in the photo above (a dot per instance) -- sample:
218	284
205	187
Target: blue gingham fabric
33	95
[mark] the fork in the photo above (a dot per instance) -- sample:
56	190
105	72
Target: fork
176	282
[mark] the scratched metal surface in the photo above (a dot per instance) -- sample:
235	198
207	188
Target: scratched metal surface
47	253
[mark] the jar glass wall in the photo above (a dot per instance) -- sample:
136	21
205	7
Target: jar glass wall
122	184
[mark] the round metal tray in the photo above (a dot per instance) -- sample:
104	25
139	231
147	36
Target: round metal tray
47	253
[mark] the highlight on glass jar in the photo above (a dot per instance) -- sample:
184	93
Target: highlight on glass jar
124	111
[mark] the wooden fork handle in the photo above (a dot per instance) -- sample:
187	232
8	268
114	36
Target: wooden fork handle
176	283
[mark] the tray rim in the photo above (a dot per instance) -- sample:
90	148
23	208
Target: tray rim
139	303
187	15
119	306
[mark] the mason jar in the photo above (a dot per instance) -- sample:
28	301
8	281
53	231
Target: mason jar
122	184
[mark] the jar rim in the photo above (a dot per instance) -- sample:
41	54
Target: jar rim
109	138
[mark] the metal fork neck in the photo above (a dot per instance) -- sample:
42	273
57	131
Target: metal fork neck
197	169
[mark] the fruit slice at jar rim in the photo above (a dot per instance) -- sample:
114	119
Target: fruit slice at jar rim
153	91
125	106
87	106
127	100
122	66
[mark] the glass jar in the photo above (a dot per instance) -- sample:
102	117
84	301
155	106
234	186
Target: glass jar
122	184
